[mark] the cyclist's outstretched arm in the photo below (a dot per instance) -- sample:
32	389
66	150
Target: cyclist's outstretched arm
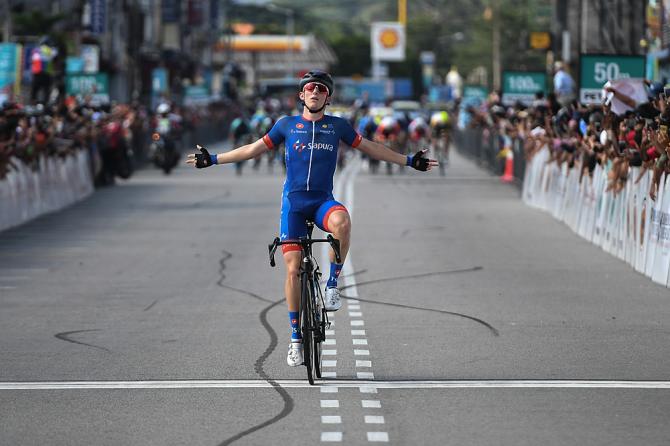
241	153
383	153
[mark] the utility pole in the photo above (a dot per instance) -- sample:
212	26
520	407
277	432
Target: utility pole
495	65
7	30
402	11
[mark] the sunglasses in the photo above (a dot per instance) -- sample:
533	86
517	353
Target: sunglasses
310	87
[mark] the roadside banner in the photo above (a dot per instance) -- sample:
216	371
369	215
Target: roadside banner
10	71
652	241
662	256
95	85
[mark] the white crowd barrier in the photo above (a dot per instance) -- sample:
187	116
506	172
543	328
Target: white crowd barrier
58	182
629	224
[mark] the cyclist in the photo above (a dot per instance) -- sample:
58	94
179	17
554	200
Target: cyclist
418	132
440	126
239	134
311	140
388	131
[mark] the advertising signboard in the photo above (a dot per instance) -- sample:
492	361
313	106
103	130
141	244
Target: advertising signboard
596	70
521	86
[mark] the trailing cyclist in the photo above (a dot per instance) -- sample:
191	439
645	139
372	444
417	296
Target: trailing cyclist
240	134
440	128
388	132
311	140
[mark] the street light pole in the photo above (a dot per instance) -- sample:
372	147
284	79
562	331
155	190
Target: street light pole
290	34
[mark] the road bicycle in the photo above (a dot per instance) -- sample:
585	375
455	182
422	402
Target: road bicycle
441	150
313	317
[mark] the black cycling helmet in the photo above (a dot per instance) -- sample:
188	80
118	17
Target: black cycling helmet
317	76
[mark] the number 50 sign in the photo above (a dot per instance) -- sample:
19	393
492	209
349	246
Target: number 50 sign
596	70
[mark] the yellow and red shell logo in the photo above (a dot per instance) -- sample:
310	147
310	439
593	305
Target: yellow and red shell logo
389	38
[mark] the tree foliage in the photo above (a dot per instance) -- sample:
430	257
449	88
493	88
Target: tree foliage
455	30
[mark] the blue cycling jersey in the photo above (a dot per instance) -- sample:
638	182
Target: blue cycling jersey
311	150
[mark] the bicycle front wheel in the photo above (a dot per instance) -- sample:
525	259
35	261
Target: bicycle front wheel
307	325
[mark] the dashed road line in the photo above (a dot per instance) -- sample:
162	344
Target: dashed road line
374	419
329	404
331	436
374	404
359	352
378	437
331	419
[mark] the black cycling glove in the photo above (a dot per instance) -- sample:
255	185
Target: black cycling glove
418	161
203	159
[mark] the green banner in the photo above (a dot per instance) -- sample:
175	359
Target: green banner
474	94
521	86
95	85
596	70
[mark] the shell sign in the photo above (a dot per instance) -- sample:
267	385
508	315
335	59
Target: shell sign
388	41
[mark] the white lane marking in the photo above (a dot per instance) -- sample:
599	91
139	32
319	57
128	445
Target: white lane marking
330	403
354	301
331	419
328	352
354	307
329	374
381	437
357	323
329	363
335	437
358	352
374	419
365	375
9	278
360	363
375	404
327	389
329	342
7	287
355	314
330	332
258	383
24	270
357	341
367	389
357	332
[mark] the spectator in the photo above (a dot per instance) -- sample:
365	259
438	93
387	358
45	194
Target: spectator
564	85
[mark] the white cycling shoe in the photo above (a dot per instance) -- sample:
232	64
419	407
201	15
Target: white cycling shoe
295	354
332	300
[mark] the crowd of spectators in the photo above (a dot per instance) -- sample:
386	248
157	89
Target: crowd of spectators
621	132
108	132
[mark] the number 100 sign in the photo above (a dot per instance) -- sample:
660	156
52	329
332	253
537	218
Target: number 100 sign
596	70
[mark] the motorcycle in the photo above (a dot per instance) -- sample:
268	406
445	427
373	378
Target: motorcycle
163	155
162	149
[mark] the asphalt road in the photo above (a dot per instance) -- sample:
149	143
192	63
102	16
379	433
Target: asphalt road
148	315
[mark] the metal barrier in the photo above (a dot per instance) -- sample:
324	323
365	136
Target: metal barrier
484	146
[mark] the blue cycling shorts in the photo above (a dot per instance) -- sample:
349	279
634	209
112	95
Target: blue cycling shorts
300	206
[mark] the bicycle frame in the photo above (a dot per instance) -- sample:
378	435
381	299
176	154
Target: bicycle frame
313	320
